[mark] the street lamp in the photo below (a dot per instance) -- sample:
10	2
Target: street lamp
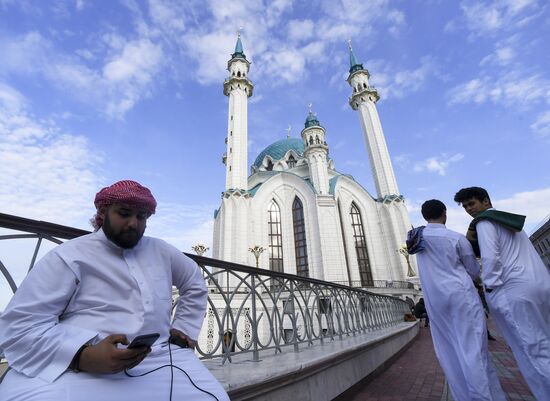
257	251
403	251
200	249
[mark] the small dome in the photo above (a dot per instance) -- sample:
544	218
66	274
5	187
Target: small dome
279	149
311	120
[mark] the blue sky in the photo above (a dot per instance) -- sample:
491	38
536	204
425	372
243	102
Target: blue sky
95	92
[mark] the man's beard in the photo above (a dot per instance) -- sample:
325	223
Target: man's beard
126	239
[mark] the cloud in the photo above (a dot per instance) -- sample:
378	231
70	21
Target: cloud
542	125
183	225
403	160
10	99
488	17
125	77
300	30
534	204
168	15
511	89
501	56
392	82
275	46
46	174
438	164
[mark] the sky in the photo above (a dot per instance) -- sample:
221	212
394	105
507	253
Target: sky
95	92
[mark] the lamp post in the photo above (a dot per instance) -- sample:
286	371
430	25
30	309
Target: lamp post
257	251
200	249
403	251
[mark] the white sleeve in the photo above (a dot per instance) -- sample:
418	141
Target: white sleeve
490	253
467	257
191	307
33	340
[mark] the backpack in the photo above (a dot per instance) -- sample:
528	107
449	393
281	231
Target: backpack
415	240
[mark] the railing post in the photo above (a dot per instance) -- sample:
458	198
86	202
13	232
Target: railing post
255	352
294	327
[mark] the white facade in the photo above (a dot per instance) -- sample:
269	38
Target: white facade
331	201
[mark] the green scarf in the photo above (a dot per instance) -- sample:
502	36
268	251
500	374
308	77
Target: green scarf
510	221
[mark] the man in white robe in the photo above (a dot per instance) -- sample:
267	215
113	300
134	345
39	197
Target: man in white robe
63	333
447	265
517	286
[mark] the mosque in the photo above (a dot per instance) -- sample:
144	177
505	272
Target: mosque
312	220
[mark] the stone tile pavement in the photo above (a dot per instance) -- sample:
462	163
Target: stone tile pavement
416	375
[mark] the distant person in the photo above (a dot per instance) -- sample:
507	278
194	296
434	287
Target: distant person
447	265
420	312
64	331
411	303
517	285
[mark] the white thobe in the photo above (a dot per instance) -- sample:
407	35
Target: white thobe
519	300
457	320
87	289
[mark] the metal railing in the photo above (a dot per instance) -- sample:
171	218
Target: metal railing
263	310
267	310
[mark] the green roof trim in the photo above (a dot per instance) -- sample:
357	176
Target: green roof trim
311	120
279	149
354	65
239	52
332	184
270	174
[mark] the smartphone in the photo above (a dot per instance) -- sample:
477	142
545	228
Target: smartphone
145	340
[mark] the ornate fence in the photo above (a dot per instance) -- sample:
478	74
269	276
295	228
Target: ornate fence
262	310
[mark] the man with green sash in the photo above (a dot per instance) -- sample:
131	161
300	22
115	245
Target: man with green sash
517	285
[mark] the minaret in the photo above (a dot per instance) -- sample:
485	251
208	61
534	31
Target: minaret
364	100
316	151
239	88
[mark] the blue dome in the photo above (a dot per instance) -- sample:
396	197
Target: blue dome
278	150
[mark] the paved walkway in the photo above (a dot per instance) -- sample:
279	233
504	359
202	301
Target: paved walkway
417	376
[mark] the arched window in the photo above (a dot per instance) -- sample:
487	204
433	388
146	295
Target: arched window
361	247
238	73
317	139
269	165
291	162
364	85
275	238
300	245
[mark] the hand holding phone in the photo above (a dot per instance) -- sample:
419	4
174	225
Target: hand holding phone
144	340
180	342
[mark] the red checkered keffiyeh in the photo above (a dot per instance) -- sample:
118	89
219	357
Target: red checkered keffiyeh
126	192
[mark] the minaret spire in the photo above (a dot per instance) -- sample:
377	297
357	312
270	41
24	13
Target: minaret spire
363	99
239	52
354	65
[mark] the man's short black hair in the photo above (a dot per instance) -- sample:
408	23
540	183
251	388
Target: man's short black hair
433	209
472	192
